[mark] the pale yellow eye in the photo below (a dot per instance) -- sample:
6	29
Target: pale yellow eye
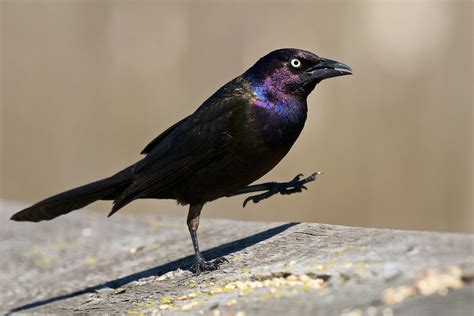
295	63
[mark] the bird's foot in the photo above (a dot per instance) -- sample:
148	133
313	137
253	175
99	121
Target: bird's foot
294	186
200	264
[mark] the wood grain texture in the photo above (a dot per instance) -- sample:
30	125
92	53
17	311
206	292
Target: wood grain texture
86	263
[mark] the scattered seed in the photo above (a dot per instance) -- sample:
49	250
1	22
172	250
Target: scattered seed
231	302
189	306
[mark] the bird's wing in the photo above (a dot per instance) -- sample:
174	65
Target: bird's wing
160	137
196	142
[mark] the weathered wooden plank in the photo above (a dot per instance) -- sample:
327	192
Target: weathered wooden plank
86	263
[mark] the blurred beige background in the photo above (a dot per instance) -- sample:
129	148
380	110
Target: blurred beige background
87	84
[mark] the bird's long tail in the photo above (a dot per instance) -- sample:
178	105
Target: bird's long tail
63	203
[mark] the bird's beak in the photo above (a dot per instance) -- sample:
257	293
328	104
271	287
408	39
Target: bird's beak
327	68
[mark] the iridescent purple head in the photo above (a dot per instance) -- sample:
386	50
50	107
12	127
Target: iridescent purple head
291	72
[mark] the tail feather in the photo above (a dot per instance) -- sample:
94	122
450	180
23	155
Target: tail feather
120	202
63	203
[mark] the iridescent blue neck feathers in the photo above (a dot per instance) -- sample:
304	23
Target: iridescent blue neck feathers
270	94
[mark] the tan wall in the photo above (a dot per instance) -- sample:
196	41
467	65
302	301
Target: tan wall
86	84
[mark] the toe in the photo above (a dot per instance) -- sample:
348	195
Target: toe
196	269
221	260
297	178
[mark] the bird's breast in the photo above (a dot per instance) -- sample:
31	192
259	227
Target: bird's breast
279	126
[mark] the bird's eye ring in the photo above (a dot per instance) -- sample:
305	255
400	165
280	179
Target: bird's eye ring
295	63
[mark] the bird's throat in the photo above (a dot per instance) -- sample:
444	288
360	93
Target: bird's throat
275	101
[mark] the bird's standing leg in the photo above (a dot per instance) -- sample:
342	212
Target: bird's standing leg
200	264
294	186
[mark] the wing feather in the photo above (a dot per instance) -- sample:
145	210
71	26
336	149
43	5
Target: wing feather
183	149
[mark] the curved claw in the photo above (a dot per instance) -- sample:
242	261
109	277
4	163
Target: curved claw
253	198
297	178
221	260
250	198
312	177
259	197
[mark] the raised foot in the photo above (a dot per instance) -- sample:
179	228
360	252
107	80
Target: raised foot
294	186
200	264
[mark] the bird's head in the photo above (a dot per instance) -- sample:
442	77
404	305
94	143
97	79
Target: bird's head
293	71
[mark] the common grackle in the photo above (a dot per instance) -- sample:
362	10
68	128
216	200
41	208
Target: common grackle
235	137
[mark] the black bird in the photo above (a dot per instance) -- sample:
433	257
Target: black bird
235	137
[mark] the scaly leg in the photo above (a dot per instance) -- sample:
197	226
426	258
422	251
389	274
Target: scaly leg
294	186
200	264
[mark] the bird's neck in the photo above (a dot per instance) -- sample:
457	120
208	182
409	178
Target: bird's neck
286	105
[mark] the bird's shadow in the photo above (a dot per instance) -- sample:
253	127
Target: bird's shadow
185	262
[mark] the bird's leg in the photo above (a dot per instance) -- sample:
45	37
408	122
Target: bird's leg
294	186
200	264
